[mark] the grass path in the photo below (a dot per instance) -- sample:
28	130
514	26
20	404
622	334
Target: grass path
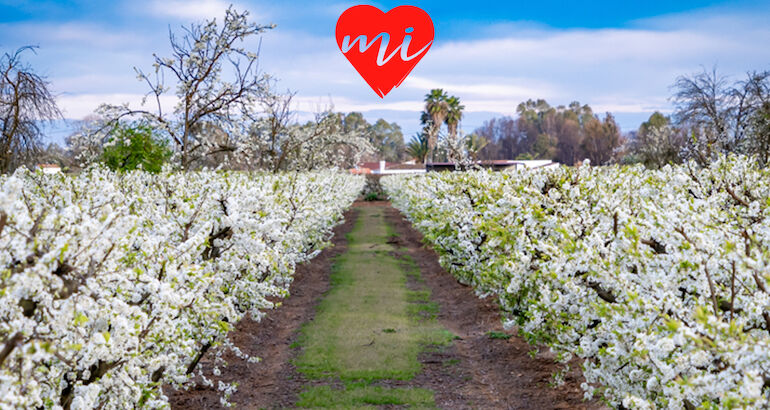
363	328
370	327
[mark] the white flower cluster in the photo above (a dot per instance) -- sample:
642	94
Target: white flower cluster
114	284
659	280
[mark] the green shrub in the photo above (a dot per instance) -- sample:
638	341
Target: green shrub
133	147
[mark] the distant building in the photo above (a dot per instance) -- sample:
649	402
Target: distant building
496	165
49	168
388	168
534	163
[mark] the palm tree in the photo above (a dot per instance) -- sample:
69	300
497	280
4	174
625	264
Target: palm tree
417	147
437	110
454	115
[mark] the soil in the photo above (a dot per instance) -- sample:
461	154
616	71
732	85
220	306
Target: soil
476	371
273	381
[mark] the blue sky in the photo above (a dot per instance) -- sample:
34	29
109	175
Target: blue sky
616	56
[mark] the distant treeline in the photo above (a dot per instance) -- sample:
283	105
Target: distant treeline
711	116
564	134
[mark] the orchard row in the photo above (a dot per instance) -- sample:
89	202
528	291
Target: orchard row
112	285
657	279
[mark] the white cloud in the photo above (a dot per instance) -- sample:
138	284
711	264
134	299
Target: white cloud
587	47
626	71
632	108
623	71
81	105
190	9
503	87
316	103
86	35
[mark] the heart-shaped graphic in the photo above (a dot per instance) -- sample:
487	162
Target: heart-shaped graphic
384	47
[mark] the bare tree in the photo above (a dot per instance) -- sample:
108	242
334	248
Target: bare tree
323	143
761	143
757	91
25	102
201	61
269	140
276	142
86	143
271	133
721	117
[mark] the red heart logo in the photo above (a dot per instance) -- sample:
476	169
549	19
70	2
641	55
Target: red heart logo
384	47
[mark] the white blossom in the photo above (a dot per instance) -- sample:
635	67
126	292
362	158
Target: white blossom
111	283
656	279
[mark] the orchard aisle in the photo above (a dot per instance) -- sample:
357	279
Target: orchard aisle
370	328
376	321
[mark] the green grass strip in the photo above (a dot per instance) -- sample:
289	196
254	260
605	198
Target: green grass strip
365	396
366	328
369	326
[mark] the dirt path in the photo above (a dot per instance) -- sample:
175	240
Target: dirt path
272	382
502	372
481	368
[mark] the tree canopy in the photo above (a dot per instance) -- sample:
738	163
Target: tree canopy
566	134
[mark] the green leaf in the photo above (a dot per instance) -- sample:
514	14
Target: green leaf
80	319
